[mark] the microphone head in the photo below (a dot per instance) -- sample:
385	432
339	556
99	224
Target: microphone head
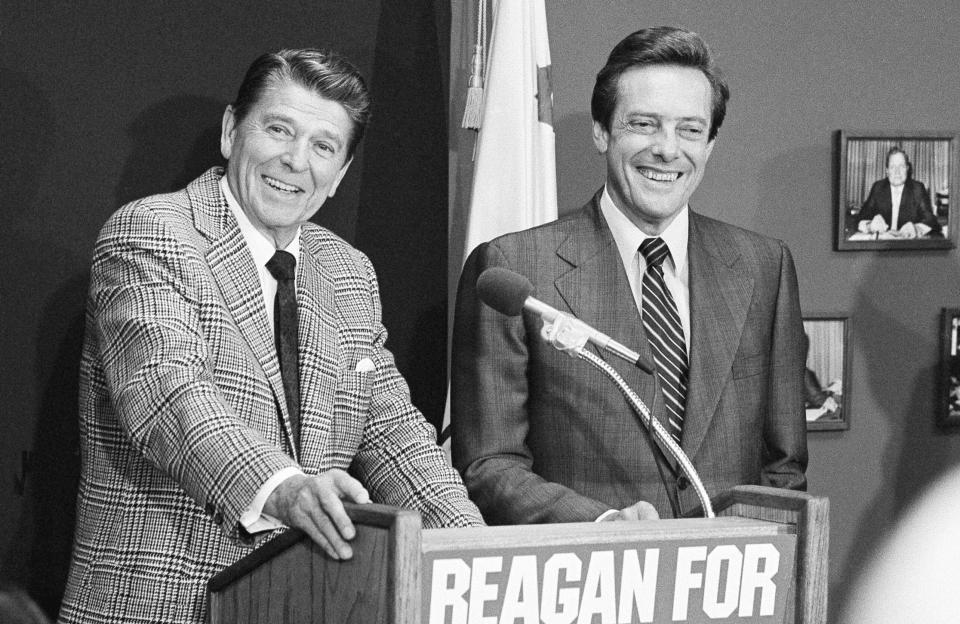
503	290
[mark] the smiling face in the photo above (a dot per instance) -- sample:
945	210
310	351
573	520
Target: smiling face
285	157
657	146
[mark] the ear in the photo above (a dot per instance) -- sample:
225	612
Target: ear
228	132
601	137
336	182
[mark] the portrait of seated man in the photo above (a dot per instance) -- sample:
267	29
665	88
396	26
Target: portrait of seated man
898	206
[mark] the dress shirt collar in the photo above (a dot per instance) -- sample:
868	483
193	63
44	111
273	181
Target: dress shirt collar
260	246
628	236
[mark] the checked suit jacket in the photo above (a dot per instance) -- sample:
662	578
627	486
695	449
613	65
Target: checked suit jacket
539	436
182	412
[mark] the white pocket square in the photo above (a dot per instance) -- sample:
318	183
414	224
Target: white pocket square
365	366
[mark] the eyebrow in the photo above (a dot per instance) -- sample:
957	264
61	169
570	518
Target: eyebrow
272	117
327	134
696	118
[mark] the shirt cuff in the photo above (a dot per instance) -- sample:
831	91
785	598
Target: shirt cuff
253	518
605	515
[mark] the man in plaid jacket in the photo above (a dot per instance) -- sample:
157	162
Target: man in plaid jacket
189	449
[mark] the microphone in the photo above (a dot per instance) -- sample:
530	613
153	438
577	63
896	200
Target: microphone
509	293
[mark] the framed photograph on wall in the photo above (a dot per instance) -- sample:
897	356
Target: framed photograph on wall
949	402
827	375
894	190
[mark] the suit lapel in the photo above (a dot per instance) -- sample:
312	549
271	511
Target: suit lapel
234	271
316	307
596	291
720	294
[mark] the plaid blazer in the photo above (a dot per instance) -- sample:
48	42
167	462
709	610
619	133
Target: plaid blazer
543	437
182	416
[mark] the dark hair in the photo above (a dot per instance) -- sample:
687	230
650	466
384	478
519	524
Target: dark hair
326	73
896	149
663	45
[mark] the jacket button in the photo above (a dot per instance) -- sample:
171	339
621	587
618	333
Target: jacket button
683	482
210	509
218	518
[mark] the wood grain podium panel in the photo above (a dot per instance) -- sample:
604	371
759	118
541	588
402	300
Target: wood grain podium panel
290	580
809	517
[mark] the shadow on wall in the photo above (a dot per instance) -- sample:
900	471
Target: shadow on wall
54	467
28	119
913	456
401	222
16	607
45	477
172	142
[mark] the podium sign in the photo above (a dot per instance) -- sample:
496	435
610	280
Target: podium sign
697	580
764	559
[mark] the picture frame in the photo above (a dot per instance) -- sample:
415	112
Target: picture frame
923	168
949	399
827	373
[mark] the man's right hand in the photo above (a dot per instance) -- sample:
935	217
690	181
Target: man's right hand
313	504
640	510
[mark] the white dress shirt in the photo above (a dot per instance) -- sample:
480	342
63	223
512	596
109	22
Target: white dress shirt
896	194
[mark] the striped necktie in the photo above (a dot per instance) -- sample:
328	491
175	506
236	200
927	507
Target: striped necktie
661	321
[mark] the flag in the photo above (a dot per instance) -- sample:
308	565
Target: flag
514	176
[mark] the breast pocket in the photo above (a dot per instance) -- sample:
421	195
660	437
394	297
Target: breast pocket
351	409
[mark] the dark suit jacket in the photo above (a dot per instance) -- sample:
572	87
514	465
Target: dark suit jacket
914	205
182	412
541	437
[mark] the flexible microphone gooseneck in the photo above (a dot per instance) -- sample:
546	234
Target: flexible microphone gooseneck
510	293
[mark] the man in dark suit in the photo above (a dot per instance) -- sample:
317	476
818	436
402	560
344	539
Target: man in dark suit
541	437
212	411
898	203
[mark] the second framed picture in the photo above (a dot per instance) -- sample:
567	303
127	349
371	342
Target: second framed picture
949	412
827	374
894	190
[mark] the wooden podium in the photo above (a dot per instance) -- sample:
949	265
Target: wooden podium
763	559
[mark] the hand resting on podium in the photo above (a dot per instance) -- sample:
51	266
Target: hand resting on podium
314	505
640	510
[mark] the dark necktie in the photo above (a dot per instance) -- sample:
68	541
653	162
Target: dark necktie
661	321
281	266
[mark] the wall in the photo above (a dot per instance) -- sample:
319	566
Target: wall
107	102
798	72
